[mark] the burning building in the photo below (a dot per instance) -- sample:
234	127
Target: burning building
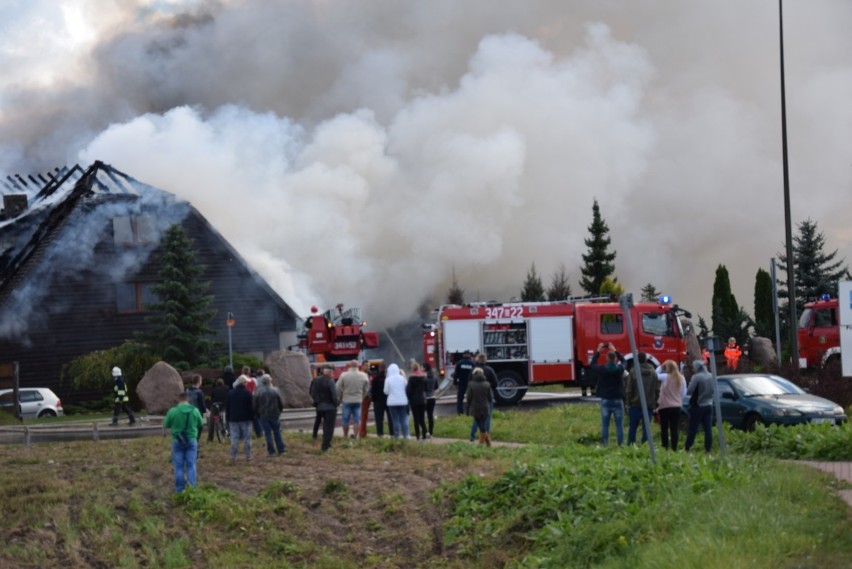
79	255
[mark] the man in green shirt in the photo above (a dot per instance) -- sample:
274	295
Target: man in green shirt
185	422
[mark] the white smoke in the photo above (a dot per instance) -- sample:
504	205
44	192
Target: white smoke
362	154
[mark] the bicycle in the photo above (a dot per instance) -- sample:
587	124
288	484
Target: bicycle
217	423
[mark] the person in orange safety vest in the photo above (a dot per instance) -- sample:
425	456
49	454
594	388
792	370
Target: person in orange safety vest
732	353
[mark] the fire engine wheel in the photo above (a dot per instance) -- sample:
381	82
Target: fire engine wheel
510	388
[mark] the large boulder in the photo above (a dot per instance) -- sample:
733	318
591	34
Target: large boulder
761	351
159	389
291	374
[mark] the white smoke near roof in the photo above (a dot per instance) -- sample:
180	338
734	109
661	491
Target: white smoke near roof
359	152
379	215
73	258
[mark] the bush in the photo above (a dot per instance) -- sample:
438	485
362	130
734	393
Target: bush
798	442
240	360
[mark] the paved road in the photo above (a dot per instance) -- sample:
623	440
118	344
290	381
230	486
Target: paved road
291	419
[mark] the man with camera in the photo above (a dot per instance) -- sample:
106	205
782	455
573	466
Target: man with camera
610	389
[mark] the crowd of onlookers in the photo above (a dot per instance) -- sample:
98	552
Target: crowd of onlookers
250	404
660	393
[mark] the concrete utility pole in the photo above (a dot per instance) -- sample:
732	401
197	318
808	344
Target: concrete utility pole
713	343
626	303
788	226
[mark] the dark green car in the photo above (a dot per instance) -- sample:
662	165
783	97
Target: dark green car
752	398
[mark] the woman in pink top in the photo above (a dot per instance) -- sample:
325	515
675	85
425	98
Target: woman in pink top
671	402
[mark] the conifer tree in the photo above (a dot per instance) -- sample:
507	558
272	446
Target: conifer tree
816	272
181	332
729	320
560	288
764	318
533	290
703	330
611	286
598	262
456	294
650	293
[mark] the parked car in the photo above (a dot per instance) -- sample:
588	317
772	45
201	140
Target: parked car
36	402
751	398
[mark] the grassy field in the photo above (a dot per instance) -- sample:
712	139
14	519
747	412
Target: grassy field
559	501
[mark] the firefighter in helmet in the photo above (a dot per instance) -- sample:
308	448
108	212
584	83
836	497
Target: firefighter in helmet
732	353
121	398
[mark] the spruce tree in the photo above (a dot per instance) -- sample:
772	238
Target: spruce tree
816	271
456	294
598	262
650	293
533	290
703	330
764	319
560	288
181	332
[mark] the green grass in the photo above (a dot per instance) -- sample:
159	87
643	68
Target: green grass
559	501
588	507
579	423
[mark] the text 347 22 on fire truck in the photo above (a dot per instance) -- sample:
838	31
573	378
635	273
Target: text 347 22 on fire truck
540	343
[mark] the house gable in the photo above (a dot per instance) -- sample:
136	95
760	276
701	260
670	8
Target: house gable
75	285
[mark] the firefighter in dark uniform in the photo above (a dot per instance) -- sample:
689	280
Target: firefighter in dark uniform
461	376
121	398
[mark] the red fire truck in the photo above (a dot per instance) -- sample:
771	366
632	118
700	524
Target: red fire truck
542	343
819	332
336	336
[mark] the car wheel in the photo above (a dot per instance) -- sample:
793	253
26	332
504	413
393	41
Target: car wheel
47	413
751	421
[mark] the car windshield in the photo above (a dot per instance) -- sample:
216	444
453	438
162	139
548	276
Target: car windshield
753	385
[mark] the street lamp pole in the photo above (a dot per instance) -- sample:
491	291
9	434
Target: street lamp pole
788	227
230	323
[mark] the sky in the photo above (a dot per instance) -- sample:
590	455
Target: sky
367	152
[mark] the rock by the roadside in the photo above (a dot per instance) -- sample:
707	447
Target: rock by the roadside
291	374
761	351
159	389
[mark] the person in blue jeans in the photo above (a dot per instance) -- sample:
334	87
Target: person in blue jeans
185	423
397	401
267	405
701	412
491	378
651	388
610	388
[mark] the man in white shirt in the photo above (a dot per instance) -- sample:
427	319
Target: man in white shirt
352	387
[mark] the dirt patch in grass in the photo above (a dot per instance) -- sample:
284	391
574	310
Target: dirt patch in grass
364	503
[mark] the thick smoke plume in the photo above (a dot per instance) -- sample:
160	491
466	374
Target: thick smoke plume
363	153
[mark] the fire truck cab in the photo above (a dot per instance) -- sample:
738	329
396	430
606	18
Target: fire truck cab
540	343
819	332
336	336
